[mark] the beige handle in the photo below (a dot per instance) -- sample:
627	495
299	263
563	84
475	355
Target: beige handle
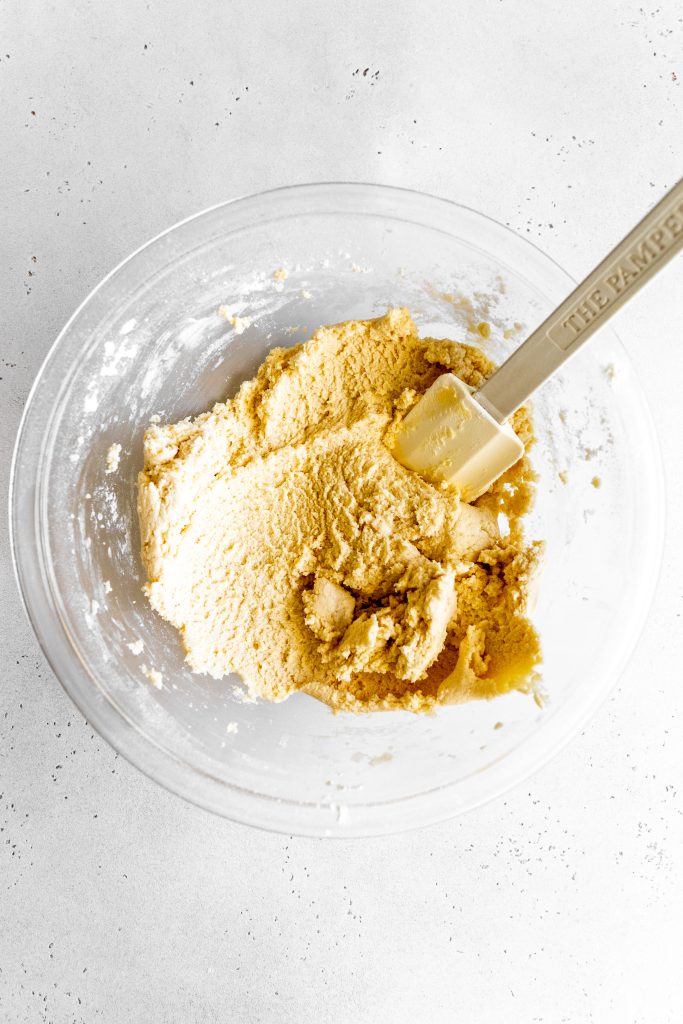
646	249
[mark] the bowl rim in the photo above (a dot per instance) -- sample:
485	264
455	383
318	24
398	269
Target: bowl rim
250	807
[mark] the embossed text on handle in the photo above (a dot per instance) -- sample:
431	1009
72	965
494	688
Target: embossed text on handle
617	277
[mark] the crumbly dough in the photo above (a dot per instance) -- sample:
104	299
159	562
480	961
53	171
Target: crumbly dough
113	458
285	542
240	323
154	676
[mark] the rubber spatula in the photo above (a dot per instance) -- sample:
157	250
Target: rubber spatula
461	437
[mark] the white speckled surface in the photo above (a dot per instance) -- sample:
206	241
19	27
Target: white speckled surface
560	903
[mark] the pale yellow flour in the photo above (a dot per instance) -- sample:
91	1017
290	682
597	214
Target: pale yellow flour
286	543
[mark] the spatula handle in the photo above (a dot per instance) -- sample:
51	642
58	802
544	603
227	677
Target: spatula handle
643	252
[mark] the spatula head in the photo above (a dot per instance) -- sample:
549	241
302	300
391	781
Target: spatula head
448	437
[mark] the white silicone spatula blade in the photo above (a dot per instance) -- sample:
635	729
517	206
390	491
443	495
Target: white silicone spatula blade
462	438
448	437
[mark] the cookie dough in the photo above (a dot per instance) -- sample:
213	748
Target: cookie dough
285	542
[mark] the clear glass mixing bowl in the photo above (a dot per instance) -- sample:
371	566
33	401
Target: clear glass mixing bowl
148	341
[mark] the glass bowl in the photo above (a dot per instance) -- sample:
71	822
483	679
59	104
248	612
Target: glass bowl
148	341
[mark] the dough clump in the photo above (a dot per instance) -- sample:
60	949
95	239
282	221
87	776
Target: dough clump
285	542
